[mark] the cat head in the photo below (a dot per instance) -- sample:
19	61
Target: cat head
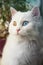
25	23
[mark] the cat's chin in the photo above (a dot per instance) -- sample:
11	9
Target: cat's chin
18	34
22	35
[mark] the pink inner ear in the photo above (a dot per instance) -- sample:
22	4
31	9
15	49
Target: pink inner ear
13	11
36	11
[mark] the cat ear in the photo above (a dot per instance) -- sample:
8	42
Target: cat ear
35	11
13	11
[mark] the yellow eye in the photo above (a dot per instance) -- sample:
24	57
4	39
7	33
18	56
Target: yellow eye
14	23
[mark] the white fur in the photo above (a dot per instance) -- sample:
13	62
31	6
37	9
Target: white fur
17	46
13	50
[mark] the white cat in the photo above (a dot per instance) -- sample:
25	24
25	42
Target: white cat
23	46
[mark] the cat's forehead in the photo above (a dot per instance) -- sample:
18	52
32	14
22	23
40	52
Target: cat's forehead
21	16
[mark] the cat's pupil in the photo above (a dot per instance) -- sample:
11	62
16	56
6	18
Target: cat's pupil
25	23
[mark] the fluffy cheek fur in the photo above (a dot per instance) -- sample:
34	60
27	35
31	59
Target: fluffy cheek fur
29	30
25	30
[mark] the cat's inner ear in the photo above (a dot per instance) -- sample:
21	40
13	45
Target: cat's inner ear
13	11
35	11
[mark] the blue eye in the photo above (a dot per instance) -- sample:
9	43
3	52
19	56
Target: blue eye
25	23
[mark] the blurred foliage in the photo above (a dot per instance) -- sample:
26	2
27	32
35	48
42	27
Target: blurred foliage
5	14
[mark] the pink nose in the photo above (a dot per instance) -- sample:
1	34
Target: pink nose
18	30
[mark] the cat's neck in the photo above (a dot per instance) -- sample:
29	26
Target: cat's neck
22	39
